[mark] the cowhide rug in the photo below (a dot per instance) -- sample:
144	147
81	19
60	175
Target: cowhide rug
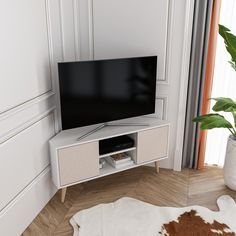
131	217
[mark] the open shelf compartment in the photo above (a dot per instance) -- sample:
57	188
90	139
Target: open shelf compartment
109	169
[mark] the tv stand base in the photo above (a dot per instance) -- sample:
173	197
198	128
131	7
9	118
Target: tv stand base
74	162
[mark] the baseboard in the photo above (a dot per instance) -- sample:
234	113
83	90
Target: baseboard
19	213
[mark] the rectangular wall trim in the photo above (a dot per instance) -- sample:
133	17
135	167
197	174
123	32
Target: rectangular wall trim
29	202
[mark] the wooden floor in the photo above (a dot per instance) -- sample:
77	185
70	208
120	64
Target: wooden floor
168	188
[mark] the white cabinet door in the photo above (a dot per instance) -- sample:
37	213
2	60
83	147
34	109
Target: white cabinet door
78	163
152	144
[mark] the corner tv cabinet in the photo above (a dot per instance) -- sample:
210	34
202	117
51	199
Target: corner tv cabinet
74	161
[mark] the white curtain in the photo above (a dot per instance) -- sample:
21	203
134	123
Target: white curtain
224	85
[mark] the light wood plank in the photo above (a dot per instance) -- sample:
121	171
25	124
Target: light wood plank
169	188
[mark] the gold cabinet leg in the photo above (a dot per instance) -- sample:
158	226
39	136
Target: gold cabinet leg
157	166
63	194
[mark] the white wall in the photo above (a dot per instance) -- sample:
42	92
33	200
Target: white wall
27	113
97	29
127	28
35	36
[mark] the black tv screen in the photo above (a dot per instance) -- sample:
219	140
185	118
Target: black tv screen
93	92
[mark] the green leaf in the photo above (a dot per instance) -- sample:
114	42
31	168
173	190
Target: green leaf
223	29
224	104
211	121
202	118
232	65
234	116
230	43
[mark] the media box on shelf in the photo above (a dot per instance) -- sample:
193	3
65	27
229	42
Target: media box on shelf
115	144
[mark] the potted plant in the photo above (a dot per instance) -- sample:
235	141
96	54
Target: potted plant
225	105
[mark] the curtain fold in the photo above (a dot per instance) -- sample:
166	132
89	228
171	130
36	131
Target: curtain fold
197	73
211	55
224	85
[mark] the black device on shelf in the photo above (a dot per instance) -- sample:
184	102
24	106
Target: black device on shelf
115	144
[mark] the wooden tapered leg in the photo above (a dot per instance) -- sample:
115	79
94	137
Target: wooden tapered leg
157	166
63	194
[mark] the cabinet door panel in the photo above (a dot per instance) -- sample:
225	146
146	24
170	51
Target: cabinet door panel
78	162
152	144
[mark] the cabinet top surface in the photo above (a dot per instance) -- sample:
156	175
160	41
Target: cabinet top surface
69	137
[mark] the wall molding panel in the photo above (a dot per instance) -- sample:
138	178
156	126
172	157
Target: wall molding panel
26	105
28	112
26	155
76	29
70	24
165	79
30	202
25	63
85	13
123	36
25	125
164	101
68	29
91	29
15	120
76	23
56	51
160	108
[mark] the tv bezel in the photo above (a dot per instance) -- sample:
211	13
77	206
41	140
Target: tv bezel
104	123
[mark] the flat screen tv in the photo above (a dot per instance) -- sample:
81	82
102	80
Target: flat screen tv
93	92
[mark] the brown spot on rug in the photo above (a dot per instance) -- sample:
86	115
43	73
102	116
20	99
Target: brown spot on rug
191	224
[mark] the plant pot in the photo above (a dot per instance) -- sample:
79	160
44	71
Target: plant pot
230	164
